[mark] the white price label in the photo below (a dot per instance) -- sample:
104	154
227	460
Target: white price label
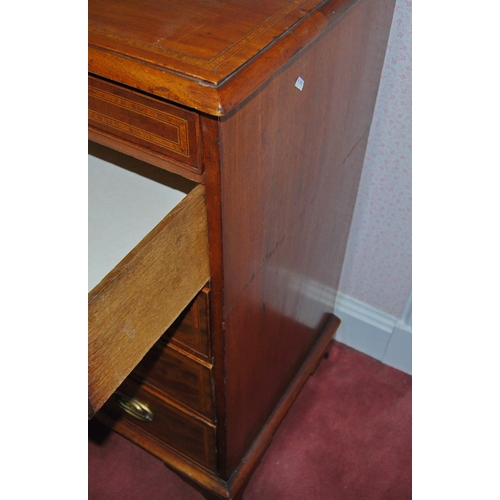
299	83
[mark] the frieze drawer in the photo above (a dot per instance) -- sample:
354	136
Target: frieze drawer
142	122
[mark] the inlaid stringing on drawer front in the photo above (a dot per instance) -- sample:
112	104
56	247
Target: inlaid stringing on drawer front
179	133
144	122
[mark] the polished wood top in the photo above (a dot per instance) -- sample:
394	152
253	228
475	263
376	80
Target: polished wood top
193	53
204	40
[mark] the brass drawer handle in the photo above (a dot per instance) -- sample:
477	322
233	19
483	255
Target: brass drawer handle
134	407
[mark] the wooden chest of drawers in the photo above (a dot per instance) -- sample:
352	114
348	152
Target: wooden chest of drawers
169	396
202	334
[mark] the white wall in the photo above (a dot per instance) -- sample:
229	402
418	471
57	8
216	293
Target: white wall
375	286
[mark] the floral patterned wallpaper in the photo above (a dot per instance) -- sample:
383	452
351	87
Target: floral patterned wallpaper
377	269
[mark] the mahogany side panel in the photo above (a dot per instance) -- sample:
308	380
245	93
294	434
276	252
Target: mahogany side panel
243	473
291	163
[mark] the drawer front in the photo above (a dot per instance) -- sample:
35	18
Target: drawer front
167	425
146	123
191	330
144	294
178	376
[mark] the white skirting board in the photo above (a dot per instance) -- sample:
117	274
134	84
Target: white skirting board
376	333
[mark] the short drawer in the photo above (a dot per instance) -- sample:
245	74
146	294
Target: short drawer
133	306
178	376
141	416
145	123
191	329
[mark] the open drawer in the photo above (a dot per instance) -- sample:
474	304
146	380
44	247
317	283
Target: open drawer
134	300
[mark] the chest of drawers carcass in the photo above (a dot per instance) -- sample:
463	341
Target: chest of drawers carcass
203	333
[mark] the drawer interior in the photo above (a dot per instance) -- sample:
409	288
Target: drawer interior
148	258
127	199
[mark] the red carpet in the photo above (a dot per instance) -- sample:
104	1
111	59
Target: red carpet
347	437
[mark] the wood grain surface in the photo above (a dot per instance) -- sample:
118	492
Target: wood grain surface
205	56
146	123
176	374
202	40
280	164
135	304
171	427
291	163
191	330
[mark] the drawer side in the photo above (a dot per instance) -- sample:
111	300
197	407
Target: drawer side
144	294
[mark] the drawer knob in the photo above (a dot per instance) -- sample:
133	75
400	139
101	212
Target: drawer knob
134	407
